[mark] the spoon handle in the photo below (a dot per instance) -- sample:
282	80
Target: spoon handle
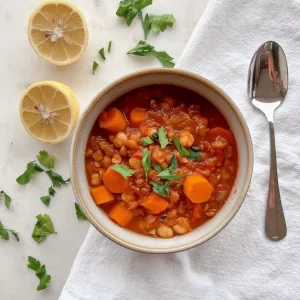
275	226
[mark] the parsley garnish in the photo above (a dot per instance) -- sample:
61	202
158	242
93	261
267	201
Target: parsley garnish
173	163
40	272
161	189
155	136
32	168
4	233
43	227
95	66
162	135
80	215
45	159
46	199
146	161
102	54
147	141
109	46
128	9
144	49
123	170
195	153
158	168
7	199
166	174
57	180
181	149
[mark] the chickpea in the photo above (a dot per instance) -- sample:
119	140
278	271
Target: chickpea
98	155
174	196
102	144
120	140
95	179
164	231
106	162
132	145
128	197
182	160
109	151
172	214
89	153
101	173
179	229
134	138
165	106
201	130
170	135
97	165
123	151
135	162
116	159
186	138
111	138
219	143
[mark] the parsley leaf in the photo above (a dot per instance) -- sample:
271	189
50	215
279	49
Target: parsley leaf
146	161
128	9
123	170
166	174
80	215
51	191
155	136
7	199
181	149
40	272
95	66
146	25
158	168
195	153
43	227
46	199
45	159
162	135
4	233
57	180
147	141
161	189
15	234
144	49
32	168
102	54
109	46
173	163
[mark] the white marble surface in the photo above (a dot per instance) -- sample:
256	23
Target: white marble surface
20	67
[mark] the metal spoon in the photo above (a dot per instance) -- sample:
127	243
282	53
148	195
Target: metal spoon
267	88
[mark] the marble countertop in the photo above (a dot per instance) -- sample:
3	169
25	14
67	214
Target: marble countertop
21	67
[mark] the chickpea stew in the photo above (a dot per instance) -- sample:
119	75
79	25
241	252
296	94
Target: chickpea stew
161	161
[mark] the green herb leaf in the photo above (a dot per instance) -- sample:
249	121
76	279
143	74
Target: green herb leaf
144	49
173	163
195	153
80	215
43	227
158	168
147	141
109	46
40	272
162	134
182	151
3	232
51	191
56	179
128	9
45	159
146	161
146	25
95	66
161	189
155	136
166	174
32	168
123	170
7	199
160	23
15	234
102	54
46	200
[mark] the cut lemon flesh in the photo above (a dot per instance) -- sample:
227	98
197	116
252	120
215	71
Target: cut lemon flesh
57	31
49	111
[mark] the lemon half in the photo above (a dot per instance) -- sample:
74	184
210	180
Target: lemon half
58	32
49	111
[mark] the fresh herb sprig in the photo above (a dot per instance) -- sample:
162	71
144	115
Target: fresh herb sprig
193	153
7	199
146	141
43	227
31	170
45	159
80	215
161	189
57	180
146	162
123	170
109	46
46	199
4	233
95	67
102	53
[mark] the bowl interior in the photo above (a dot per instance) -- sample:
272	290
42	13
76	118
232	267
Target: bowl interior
173	77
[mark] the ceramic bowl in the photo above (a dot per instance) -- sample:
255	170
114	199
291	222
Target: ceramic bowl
120	87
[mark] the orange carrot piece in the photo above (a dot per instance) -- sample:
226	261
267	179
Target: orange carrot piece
197	188
112	120
114	181
121	215
155	203
137	116
218	131
101	195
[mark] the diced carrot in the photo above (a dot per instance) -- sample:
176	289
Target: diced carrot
224	133
101	195
114	181
121	215
137	116
138	154
155	203
112	120
144	129
197	188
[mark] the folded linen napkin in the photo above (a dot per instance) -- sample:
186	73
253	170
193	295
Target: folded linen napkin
240	262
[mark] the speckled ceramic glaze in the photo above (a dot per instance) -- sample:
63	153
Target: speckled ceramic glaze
236	122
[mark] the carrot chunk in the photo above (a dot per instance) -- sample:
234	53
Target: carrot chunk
114	181
218	131
155	203
121	215
137	116
197	188
101	195
112	120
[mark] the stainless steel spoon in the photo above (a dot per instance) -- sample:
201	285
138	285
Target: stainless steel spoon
267	88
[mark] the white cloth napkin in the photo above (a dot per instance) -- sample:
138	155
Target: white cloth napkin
240	262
